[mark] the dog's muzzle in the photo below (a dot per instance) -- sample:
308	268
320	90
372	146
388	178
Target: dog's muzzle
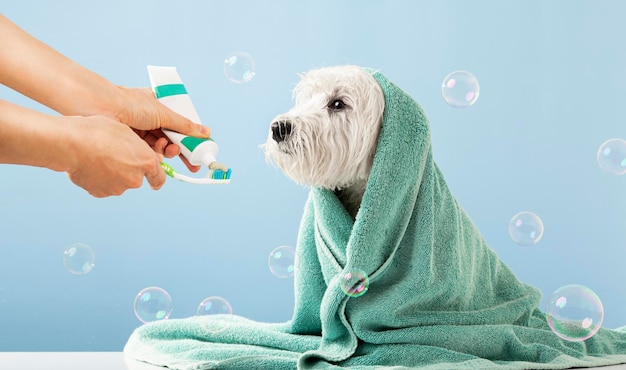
280	130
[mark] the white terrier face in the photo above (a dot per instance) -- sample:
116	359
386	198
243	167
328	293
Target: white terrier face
328	139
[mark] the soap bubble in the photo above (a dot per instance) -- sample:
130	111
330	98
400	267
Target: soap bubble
282	261
79	258
153	304
215	306
526	228
239	67
355	283
460	89
574	313
612	156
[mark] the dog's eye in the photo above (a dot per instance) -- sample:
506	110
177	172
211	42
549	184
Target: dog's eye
337	105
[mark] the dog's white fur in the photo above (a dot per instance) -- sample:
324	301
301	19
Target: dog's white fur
333	132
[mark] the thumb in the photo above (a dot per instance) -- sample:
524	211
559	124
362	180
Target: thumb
175	122
156	175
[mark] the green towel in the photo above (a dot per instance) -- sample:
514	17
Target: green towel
439	297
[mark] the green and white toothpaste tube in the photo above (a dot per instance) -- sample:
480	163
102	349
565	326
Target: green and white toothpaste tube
170	91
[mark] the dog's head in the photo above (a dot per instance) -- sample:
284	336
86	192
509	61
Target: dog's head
328	139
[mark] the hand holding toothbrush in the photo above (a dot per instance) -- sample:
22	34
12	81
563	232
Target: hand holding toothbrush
33	138
98	154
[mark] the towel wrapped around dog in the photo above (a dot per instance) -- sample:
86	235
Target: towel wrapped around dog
438	296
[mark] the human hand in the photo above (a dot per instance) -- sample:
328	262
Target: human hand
107	158
147	116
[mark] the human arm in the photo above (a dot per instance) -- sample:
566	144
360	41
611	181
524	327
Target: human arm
38	71
99	154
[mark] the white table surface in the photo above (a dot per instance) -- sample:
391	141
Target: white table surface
93	361
70	361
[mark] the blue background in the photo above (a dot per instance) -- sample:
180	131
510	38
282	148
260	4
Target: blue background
552	91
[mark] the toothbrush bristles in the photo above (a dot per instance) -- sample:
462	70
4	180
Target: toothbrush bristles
220	175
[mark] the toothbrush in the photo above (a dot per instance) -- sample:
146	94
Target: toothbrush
216	176
170	91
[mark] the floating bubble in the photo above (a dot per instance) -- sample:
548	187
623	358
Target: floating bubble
355	283
215	306
282	261
460	89
526	228
152	304
239	67
612	156
574	313
79	258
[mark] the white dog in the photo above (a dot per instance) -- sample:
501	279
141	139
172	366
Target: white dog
328	139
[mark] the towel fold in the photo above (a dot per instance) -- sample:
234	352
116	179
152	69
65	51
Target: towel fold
438	296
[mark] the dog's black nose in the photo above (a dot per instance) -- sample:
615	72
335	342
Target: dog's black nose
280	130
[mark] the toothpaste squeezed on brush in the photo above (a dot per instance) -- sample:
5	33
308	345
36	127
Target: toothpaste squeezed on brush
170	91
